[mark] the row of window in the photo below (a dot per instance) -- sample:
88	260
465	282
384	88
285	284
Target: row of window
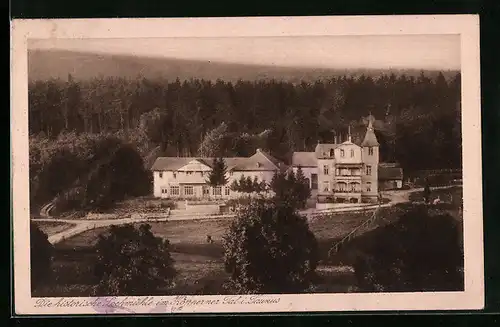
342	152
189	190
188	173
326	171
344	187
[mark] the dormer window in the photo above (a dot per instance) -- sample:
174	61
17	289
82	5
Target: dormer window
160	174
259	164
352	153
370	151
342	153
332	153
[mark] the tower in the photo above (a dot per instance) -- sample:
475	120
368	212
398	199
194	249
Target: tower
370	157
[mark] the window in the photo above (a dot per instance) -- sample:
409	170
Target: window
201	173
188	190
189	172
174	190
314	181
230	173
337	171
342	187
325	169
332	153
352	153
370	151
342	154
164	191
206	190
175	175
354	187
160	174
326	186
217	190
368	170
368	187
227	191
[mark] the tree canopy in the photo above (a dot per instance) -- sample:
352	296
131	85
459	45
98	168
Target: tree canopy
416	116
420	252
270	249
132	261
40	256
217	176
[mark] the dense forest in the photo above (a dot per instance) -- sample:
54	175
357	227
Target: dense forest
418	118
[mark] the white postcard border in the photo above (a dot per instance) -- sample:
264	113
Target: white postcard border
467	26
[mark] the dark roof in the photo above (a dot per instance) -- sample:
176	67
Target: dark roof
304	159
323	150
389	164
370	137
386	172
260	161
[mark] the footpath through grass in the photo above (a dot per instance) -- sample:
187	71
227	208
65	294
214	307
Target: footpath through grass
199	264
52	227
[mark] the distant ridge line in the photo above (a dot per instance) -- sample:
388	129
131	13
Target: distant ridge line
51	63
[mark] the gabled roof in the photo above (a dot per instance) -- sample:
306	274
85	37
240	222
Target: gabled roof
304	159
260	161
174	163
323	150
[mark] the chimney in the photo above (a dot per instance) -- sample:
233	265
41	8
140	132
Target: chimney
335	139
349	134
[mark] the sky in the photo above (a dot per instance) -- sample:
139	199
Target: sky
419	51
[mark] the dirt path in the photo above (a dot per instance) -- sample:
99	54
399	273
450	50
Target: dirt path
82	225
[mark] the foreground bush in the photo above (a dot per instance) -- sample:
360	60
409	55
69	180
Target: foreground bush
421	252
132	261
270	249
40	256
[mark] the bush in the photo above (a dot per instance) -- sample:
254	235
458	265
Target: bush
41	252
270	249
421	252
132	261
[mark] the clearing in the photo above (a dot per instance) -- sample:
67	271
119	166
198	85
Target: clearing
199	263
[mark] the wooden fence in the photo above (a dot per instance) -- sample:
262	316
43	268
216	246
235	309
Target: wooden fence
336	247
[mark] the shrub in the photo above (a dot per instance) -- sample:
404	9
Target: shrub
132	261
270	249
421	252
41	252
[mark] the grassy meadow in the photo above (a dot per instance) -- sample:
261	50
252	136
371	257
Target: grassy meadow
200	265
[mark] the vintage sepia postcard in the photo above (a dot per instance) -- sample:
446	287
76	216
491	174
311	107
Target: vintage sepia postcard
264	164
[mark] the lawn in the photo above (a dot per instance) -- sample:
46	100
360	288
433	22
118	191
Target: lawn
452	200
52	227
453	195
199	264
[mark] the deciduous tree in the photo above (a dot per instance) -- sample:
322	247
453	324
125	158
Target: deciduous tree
40	256
132	261
270	249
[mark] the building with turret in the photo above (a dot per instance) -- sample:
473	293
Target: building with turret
343	171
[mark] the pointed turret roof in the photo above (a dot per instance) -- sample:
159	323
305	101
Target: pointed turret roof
370	137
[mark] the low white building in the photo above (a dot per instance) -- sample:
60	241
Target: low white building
186	177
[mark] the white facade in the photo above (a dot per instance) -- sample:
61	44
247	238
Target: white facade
186	178
346	172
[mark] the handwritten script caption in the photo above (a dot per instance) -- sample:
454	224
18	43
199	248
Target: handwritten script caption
129	304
